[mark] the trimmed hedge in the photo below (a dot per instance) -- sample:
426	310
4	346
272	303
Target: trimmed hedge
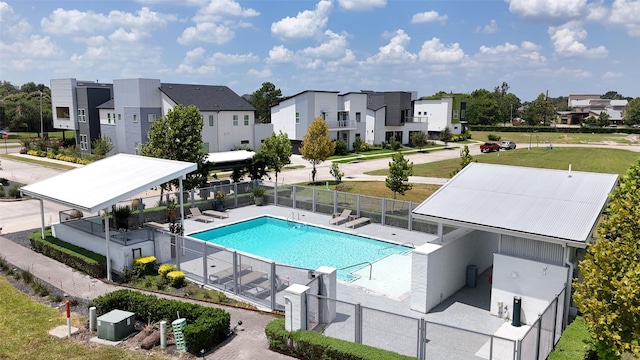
145	265
94	265
314	346
206	326
568	130
176	279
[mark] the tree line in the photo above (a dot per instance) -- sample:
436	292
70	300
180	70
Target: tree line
20	107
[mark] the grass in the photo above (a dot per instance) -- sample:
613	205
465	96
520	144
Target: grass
612	161
24	325
37	162
555	138
417	194
575	342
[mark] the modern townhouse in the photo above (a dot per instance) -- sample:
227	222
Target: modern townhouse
584	106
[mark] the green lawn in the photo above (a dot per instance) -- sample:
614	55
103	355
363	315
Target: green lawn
417	194
543	138
24	325
37	162
613	161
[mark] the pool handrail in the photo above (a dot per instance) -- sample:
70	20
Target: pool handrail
394	245
362	263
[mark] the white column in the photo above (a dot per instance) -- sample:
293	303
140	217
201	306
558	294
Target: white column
295	316
328	287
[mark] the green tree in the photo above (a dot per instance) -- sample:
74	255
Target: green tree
539	111
631	112
419	139
482	108
336	173
178	136
609	295
101	147
277	151
603	119
6	88
265	98
21	111
399	171
445	136
465	159
317	146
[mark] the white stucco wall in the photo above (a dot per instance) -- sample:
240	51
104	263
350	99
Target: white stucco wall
439	270
537	283
438	112
63	94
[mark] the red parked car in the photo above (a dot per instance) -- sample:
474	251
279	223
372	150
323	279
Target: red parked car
489	146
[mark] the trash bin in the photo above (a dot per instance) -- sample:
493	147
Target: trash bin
517	308
472	275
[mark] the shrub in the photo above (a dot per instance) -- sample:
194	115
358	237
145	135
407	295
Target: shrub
2	193
39	288
176	279
341	148
360	146
14	192
27	277
394	144
494	137
312	345
165	269
76	257
206	327
4	181
56	298
144	265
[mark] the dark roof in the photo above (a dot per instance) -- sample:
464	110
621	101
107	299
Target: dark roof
206	97
106	105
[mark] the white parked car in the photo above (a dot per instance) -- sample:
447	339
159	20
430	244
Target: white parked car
507	145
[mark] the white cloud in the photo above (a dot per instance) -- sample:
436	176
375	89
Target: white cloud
434	51
428	16
280	54
490	28
567	41
362	5
36	47
206	32
263	74
530	46
73	21
334	47
128	36
395	51
541	9
194	62
219	58
306	24
500	49
612	75
223	10
627	14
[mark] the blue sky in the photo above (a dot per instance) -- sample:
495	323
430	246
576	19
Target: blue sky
563	46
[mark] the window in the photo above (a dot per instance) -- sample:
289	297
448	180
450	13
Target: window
84	144
455	114
297	118
135	118
235	120
205	147
119	117
246	120
109	118
357	117
210	120
63	113
244	142
463	114
323	115
81	115
151	117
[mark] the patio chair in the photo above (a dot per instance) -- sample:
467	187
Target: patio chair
358	221
226	273
197	215
216	213
342	217
245	281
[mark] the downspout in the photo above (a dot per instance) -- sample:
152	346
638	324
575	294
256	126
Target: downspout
567	297
106	235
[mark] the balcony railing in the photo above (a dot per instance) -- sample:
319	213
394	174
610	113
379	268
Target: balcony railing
342	124
416	119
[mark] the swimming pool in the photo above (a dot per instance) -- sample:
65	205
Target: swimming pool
300	245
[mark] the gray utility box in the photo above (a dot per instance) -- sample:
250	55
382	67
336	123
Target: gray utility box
116	325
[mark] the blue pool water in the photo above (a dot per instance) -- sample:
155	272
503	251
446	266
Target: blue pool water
300	245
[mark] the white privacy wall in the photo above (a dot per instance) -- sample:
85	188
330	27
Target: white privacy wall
439	270
537	283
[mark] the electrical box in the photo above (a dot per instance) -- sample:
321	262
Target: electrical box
116	325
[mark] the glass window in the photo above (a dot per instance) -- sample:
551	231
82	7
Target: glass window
462	114
246	120
235	120
135	117
62	113
119	117
151	117
455	114
297	118
244	142
357	117
109	118
210	120
81	116
205	147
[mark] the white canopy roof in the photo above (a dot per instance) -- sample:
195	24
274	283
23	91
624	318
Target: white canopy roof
543	203
103	183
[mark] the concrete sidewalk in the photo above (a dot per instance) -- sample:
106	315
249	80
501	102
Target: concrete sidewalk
250	341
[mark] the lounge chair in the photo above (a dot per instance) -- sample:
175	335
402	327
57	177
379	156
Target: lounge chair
226	273
358	221
197	215
340	218
245	280
216	213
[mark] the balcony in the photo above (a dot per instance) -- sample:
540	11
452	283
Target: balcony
416	119
342	125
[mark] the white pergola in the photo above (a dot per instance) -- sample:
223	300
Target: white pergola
102	184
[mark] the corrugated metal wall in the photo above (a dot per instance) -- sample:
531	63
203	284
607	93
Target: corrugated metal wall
531	249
